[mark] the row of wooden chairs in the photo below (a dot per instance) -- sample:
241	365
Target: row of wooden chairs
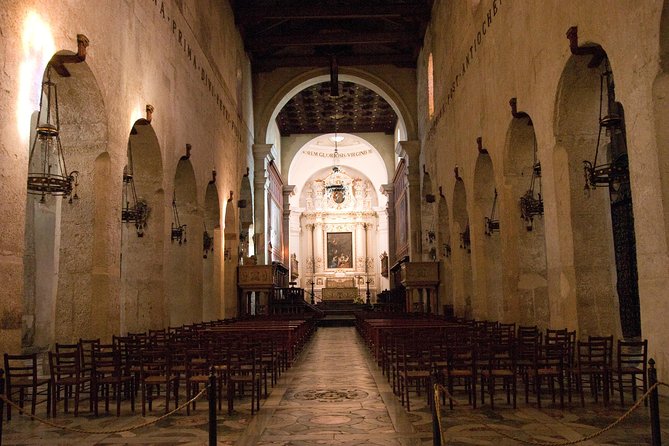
241	354
487	356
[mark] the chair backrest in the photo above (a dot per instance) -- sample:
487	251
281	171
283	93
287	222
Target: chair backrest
20	367
607	341
155	362
86	347
65	361
106	362
632	354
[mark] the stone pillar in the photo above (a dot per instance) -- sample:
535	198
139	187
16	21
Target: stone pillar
410	151
387	190
319	247
285	227
261	159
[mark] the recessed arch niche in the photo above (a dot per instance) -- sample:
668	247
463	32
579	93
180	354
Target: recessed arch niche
526	265
488	245
68	259
185	270
444	254
462	260
142	276
211	264
231	260
595	217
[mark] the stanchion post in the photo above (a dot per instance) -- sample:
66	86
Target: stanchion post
211	393
436	432
655	432
2	402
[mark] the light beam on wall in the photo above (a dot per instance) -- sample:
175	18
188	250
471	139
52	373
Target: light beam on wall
38	47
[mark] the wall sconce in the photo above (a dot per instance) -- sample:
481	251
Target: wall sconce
178	230
430	237
615	173
207	243
134	210
227	254
47	172
492	222
465	239
531	205
447	250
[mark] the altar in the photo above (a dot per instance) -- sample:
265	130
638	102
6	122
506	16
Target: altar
339	290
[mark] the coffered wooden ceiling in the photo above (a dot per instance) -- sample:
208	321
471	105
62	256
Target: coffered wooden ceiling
357	109
289	33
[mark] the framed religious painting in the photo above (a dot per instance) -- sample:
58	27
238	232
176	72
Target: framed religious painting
339	250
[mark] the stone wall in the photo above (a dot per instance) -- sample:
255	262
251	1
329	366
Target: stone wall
187	60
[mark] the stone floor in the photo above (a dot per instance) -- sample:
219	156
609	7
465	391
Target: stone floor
335	395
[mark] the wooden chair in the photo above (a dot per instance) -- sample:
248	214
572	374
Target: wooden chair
632	362
66	373
461	371
108	373
497	363
197	373
415	369
156	371
548	366
592	362
21	375
244	367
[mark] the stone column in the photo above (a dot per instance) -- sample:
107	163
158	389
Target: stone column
410	150
387	190
285	227
261	159
319	246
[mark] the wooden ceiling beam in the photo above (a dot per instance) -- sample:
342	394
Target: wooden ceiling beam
250	15
269	63
336	38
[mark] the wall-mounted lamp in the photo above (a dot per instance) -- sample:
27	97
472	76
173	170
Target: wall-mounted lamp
492	222
447	250
465	239
134	210
178	230
207	243
47	172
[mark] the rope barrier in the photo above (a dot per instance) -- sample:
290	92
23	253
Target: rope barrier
440	388
102	432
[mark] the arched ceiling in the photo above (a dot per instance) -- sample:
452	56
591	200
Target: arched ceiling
289	33
357	109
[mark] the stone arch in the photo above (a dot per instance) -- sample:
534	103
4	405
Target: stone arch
68	263
142	275
246	246
488	247
350	74
462	260
526	261
185	271
598	290
444	254
211	265
428	206
231	260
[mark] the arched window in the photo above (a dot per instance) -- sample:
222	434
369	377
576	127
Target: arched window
430	86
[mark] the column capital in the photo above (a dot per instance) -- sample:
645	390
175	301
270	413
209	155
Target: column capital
261	151
409	150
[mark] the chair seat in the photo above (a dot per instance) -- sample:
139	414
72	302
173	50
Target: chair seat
460	373
630	370
417	374
25	382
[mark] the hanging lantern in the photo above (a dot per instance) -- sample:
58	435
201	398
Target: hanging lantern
178	232
207	243
47	171
492	222
531	203
134	210
615	173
